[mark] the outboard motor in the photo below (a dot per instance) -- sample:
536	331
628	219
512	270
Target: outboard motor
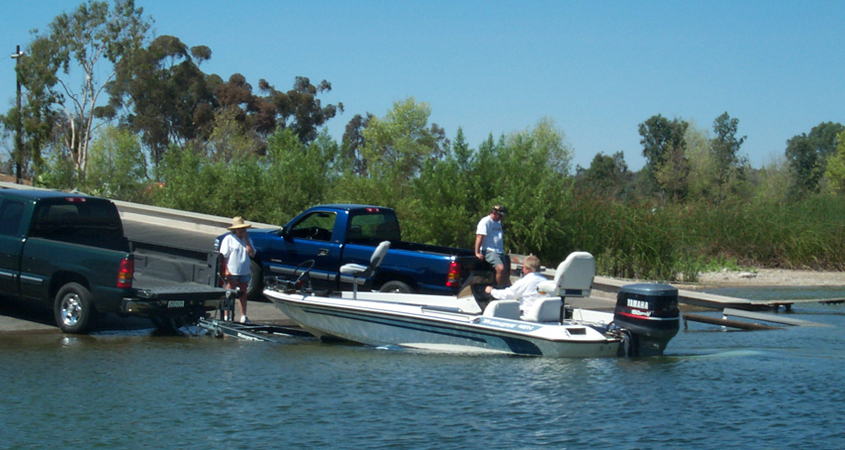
649	312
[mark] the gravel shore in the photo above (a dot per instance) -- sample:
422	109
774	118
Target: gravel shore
771	277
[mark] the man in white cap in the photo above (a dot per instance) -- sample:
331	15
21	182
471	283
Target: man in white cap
237	250
490	243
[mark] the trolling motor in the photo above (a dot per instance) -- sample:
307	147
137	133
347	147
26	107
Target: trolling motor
301	282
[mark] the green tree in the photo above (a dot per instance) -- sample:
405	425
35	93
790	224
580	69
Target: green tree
92	36
672	174
807	155
607	176
442	208
836	165
664	148
37	72
352	143
117	166
168	99
702	176
298	109
397	145
728	163
228	140
535	185
773	181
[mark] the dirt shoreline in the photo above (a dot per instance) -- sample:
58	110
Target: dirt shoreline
769	277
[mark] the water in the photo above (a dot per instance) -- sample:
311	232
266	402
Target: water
713	389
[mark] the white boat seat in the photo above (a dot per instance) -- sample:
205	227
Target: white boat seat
506	309
573	277
544	310
360	272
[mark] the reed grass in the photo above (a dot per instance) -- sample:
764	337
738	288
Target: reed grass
677	241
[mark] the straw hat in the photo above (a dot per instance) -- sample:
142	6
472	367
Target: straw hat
238	222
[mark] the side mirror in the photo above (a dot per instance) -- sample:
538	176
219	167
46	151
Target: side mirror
284	232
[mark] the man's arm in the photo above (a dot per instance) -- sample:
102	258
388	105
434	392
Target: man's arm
478	238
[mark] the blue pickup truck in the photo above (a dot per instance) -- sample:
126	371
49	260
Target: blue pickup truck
334	235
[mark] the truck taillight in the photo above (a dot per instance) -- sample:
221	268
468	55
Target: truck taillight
125	273
453	277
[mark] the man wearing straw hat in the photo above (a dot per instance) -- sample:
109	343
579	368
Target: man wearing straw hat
237	249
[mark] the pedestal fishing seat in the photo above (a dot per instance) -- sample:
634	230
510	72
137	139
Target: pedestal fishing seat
573	278
360	272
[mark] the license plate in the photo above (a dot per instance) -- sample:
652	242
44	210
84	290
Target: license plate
176	304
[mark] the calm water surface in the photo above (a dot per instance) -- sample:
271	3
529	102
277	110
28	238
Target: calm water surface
713	389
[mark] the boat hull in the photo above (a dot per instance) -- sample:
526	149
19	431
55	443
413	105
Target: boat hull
413	326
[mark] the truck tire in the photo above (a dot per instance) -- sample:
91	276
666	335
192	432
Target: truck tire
74	309
255	288
396	286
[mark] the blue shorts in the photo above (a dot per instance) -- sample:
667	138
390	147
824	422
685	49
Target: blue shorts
239	278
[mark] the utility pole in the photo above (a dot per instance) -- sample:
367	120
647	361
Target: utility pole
18	143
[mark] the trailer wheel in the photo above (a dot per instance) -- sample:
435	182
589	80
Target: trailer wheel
255	288
397	287
74	309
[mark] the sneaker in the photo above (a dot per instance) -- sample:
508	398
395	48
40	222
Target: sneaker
245	320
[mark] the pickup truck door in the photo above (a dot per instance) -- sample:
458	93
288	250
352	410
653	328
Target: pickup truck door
310	237
11	244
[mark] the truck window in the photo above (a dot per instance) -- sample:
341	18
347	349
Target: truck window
317	226
373	227
11	213
89	222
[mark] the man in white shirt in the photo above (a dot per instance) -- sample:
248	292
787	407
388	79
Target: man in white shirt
526	288
237	250
490	243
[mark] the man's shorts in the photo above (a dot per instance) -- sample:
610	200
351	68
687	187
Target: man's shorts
494	258
239	278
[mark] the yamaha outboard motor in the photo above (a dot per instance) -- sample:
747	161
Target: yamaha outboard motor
649	312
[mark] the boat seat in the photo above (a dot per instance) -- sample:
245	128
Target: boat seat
360	272
573	277
544	310
506	309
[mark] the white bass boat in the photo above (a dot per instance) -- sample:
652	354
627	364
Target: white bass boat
646	317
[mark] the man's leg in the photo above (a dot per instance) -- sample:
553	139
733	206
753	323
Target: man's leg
497	261
242	298
501	275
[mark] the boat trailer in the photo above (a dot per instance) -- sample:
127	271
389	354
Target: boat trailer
250	332
220	326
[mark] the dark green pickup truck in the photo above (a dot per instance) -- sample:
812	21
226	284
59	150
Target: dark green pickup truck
69	252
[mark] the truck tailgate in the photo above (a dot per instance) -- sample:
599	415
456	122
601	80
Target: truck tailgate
169	298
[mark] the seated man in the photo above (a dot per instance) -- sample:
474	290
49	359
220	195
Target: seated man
525	289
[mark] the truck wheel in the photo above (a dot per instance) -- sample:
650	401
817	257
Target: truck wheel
255	288
396	286
74	309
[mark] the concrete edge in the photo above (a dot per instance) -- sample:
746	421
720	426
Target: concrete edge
173	218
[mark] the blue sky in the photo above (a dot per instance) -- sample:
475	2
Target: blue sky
598	68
